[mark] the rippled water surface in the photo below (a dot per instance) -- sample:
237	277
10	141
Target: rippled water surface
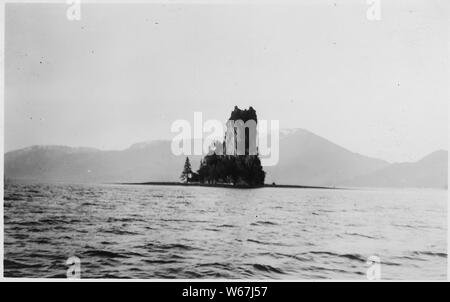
125	231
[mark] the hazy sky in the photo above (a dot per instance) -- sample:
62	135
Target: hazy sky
125	72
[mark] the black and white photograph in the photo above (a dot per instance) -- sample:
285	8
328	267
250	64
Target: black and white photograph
225	140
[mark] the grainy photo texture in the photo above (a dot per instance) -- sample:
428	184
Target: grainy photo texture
294	140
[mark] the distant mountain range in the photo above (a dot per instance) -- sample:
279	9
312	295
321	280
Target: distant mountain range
305	159
430	171
308	159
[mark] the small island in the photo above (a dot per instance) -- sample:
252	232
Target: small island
231	166
231	163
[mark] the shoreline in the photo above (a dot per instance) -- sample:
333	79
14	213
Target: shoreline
229	186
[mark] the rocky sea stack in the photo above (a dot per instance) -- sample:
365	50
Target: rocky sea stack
235	160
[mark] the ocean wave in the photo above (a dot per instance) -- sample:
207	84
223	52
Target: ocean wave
266	243
429	253
362	235
14	264
263	223
315	268
226	226
103	254
178	246
118	231
267	268
355	257
160	261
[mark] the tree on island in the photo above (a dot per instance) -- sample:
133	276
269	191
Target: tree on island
186	175
235	170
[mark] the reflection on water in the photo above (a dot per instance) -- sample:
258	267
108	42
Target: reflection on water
198	232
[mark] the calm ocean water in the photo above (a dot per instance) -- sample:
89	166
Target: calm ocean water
125	231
